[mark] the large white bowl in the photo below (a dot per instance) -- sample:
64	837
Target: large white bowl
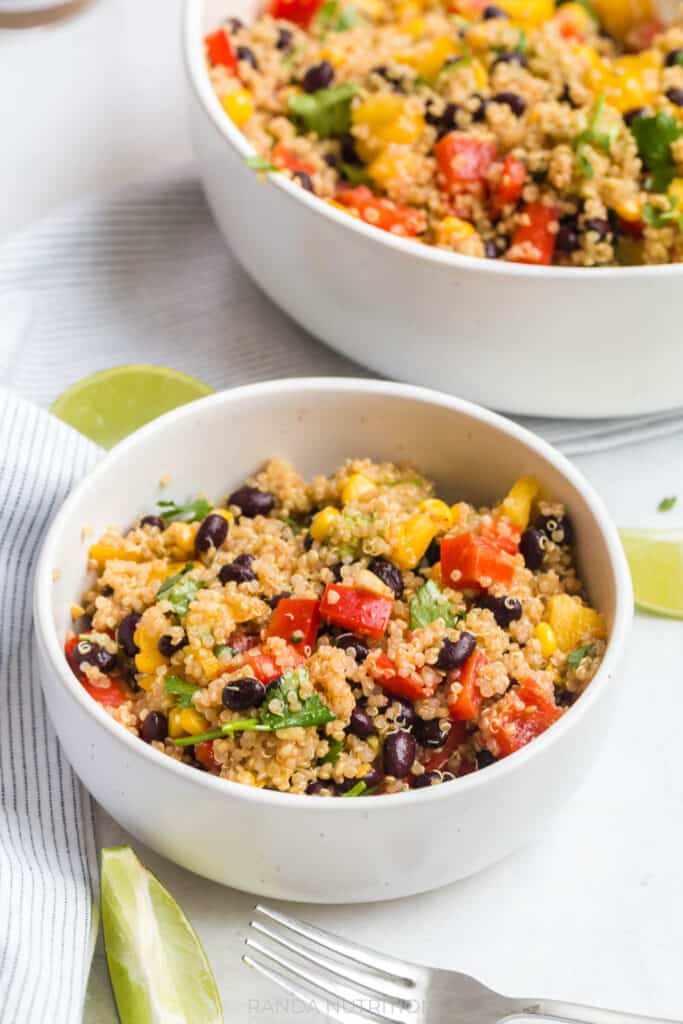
300	847
545	341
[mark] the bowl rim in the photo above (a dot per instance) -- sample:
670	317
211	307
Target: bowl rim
201	86
61	674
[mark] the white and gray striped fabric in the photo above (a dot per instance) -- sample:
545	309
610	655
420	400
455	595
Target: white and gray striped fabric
144	276
48	864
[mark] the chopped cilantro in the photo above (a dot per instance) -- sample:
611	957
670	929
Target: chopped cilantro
522	42
191	513
260	163
332	755
332	18
183	691
180	591
677	57
224	652
576	657
326	112
666	504
430	604
654	136
592	136
295	525
657	218
357	790
356	175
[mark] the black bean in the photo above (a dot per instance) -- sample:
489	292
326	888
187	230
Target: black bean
455	653
673	58
563	698
307	541
331	160
407	714
274	601
676	96
598	226
634	114
244	693
153	521
567	239
491	249
559	529
493	12
510	57
532	547
433	552
235	24
126	632
513	100
388	573
480	107
430	734
314	788
566	97
318	76
372	779
444	122
304	180
336	569
426	780
284	39
394	79
211	533
252	502
238	571
354	644
485	758
399	753
85	652
246	54
155	727
361	724
168	647
505	609
347	147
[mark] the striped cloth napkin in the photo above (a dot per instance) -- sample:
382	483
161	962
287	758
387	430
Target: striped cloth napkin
48	864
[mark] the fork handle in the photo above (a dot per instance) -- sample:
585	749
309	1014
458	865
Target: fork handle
571	1012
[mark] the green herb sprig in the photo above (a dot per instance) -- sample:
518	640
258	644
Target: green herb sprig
182	691
666	504
326	112
180	591
260	163
430	604
576	657
592	136
193	512
654	136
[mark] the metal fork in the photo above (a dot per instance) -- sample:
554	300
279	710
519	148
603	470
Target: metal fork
355	985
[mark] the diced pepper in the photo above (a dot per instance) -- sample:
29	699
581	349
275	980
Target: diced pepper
356	488
192	721
300	12
359	611
516	504
387	118
502	534
452	230
203	752
220	52
574	22
574	623
384	672
395	163
414	537
510	186
102	553
287	161
110	696
439	512
406	221
534	240
464	160
265	668
521	724
239	106
148	658
296	620
545	635
465	706
479	563
528	12
642	36
430	60
440	758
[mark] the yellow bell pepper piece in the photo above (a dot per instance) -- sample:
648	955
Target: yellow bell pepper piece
181	536
395	163
573	623
528	12
439	512
432	59
517	503
357	487
628	82
452	229
102	553
175	723
192	722
618	16
545	635
239	106
415	536
323	523
388	119
481	77
149	658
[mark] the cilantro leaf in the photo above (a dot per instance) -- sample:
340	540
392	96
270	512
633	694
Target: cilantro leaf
657	218
332	755
654	136
585	166
592	136
180	591
357	790
331	18
311	712
666	504
356	175
183	691
224	652
260	163
430	604
576	657
191	513
326	112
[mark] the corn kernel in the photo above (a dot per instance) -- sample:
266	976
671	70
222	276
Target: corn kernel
175	723
192	722
574	623
452	229
148	659
439	512
415	536
545	635
363	769
239	106
181	536
519	499
102	553
323	523
357	487
481	77
334	55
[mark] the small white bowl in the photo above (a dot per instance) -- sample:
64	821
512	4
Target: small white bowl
300	847
547	341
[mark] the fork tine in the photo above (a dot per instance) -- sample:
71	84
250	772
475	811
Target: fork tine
338	992
396	970
377	984
303	993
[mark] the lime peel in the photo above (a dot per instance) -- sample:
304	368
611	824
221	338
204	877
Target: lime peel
655	558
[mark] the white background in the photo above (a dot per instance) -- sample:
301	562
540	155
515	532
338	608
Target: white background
593	912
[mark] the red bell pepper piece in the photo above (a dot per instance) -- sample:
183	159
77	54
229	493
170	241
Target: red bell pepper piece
464	161
519	725
642	36
509	188
465	707
204	754
440	758
287	161
384	672
110	696
359	611
296	620
502	534
220	52
406	221
479	562
534	241
299	12
632	228
265	668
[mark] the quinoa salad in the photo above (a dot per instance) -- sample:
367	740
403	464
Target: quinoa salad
531	131
350	636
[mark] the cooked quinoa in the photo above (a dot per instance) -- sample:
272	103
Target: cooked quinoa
350	635
522	130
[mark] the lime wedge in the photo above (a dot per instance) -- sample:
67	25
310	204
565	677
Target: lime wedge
656	561
158	969
110	405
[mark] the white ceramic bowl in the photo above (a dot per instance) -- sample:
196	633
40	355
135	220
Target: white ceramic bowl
542	341
299	847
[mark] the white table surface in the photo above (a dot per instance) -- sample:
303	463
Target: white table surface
593	912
